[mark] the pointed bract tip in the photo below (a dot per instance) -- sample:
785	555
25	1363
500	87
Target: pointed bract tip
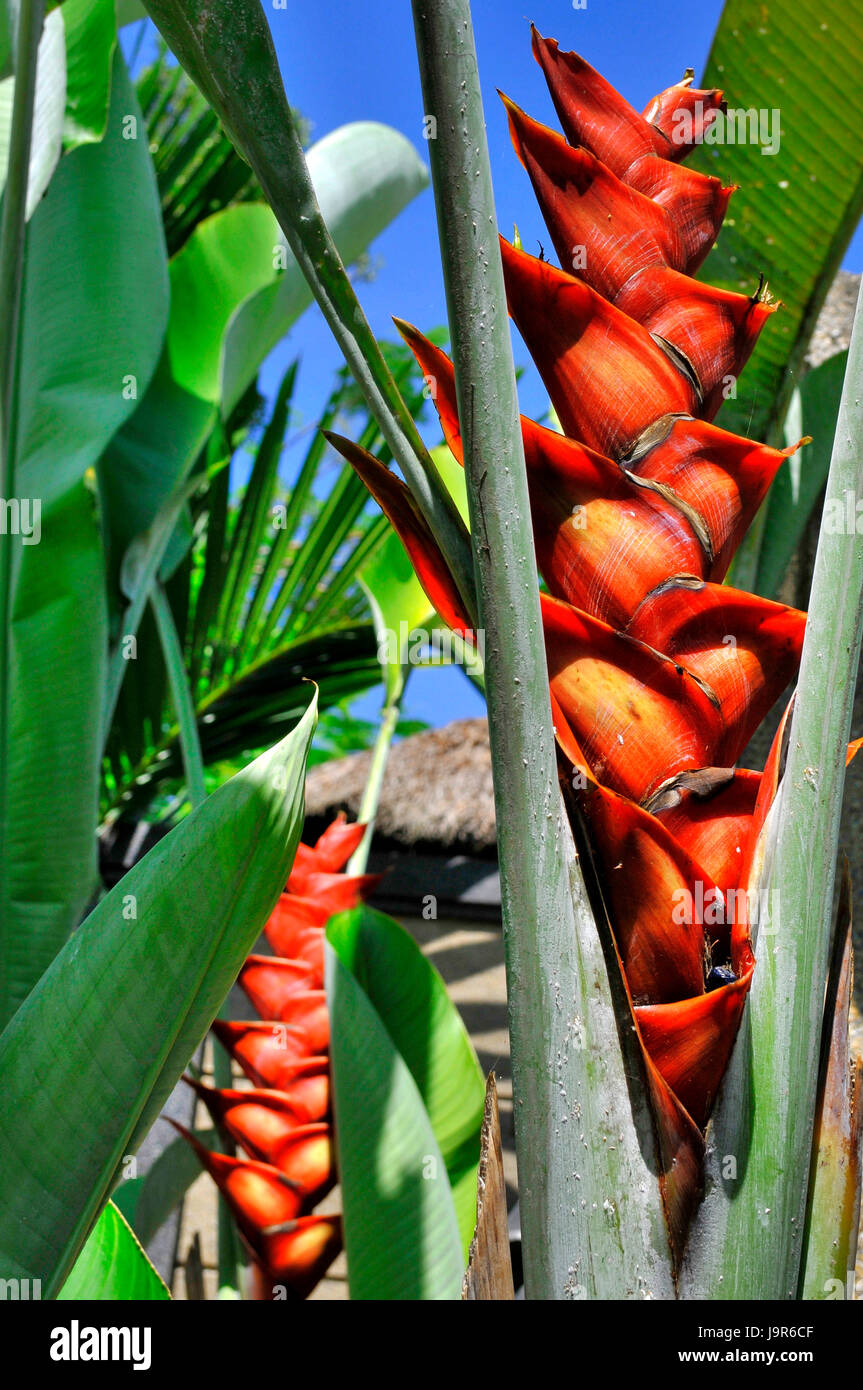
405	329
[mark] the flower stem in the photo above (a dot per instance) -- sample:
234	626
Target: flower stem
574	1115
184	707
368	808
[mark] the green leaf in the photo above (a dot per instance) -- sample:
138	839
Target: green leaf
197	168
401	1233
114	1021
798	484
113	1266
269	595
87	334
129	12
229	257
91	38
453	476
426	1030
230	306
147	461
81	335
364	174
797	62
5	41
245	713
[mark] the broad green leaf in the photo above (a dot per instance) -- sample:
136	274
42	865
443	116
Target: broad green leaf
90	340
795	64
111	1025
798	484
73	88
48	112
91	37
228	257
82	334
145	463
230	305
401	1233
426	1029
364	175
113	1266
148	1201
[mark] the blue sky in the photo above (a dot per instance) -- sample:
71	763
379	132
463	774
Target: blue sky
346	61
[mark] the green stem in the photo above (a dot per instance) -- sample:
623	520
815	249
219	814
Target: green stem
13	236
154	545
750	1234
368	809
193	761
184	706
573	1111
229	1251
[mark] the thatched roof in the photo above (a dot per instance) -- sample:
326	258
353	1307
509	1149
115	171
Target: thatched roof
437	792
833	330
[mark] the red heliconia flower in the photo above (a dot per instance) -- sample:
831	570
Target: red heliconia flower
659	675
282	1120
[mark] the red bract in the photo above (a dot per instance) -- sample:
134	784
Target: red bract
282	1121
593	114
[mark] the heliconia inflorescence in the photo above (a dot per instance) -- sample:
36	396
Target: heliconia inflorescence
659	673
283	1121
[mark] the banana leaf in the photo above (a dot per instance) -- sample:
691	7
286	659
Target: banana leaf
81	335
113	1266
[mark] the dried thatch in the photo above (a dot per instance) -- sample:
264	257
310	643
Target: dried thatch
833	330
437	793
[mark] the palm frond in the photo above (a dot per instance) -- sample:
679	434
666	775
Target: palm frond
265	600
198	170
